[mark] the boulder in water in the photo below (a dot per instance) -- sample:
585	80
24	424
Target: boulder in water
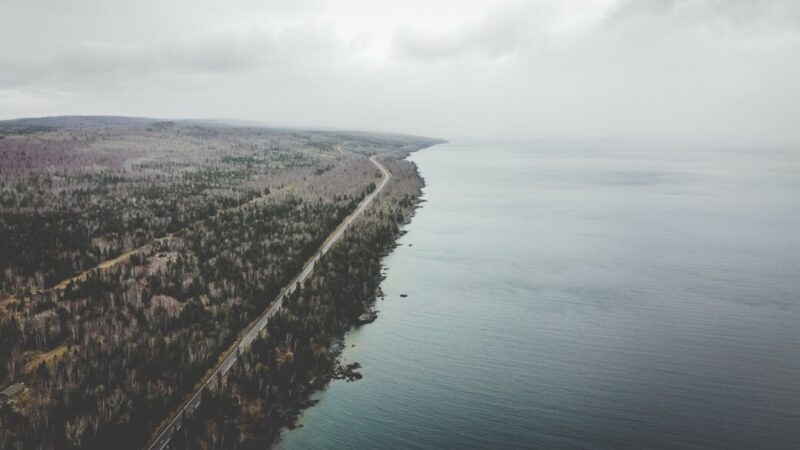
368	317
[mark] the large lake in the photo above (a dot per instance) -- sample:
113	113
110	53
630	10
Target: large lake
583	295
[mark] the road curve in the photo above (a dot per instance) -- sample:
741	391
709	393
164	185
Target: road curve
231	355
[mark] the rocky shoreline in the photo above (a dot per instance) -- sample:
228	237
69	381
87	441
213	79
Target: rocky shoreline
282	404
349	372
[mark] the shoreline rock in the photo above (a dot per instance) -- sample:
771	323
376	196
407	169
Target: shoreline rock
367	317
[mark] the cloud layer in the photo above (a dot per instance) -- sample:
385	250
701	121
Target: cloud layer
669	69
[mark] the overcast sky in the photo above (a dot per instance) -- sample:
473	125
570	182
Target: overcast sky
726	70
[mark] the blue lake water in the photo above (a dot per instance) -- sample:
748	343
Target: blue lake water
583	295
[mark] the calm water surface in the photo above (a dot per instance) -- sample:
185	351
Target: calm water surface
583	295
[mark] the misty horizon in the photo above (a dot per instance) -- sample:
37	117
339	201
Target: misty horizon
710	71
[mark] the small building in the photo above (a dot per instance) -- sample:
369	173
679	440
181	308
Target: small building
11	391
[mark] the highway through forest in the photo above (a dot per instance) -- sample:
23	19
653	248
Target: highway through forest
164	433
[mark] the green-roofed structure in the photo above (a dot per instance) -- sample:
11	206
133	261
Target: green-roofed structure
11	391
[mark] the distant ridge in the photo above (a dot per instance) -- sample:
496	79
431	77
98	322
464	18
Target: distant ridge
33	124
74	121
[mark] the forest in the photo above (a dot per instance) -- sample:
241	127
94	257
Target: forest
134	252
270	384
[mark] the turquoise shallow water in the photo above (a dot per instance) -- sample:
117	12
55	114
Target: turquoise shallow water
583	295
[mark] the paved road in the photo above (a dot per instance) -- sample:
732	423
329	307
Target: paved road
242	345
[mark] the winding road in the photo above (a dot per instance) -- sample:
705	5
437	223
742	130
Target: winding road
164	433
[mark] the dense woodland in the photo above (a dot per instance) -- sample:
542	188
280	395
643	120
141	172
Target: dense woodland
270	384
134	252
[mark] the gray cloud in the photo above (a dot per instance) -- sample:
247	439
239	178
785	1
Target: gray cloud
697	69
519	26
736	16
210	54
496	35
